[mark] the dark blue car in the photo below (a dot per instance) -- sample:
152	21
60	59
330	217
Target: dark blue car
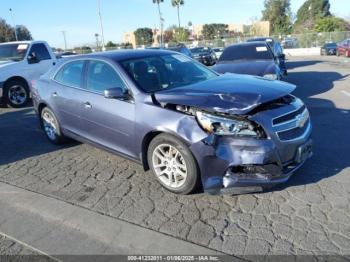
192	127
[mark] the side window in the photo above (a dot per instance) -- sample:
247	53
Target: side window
71	74
101	76
40	51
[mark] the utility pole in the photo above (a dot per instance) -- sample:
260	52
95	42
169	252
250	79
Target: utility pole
97	41
65	40
14	24
101	24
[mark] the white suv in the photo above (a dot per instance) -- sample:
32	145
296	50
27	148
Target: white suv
20	63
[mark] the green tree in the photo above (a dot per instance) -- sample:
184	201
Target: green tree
278	13
6	32
181	34
110	44
144	36
331	24
23	33
161	20
309	13
177	4
212	31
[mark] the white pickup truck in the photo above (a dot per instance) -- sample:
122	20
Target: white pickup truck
20	63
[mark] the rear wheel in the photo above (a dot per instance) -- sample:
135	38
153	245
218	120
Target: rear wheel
51	127
16	93
173	164
347	54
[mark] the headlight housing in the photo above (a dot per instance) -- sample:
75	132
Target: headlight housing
271	76
226	126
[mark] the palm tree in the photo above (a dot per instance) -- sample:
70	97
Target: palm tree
177	4
160	19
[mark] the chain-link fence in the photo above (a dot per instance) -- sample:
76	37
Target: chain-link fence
306	40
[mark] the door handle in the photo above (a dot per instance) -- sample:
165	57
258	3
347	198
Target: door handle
54	94
87	105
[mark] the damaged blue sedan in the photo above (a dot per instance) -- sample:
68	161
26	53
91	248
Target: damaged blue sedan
192	127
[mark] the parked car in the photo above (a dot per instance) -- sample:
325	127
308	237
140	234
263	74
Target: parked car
329	49
181	49
344	48
253	58
21	62
289	42
218	51
277	51
204	55
67	53
189	125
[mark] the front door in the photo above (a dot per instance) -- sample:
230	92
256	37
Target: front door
109	122
45	61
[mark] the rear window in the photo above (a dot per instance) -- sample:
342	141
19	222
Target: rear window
246	52
71	74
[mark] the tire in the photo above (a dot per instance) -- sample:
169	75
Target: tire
16	93
183	160
347	54
51	127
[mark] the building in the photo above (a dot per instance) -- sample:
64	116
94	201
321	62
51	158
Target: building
259	28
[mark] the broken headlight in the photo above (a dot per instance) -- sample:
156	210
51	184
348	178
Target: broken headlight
226	126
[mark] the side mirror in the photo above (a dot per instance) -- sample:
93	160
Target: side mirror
282	56
116	93
32	58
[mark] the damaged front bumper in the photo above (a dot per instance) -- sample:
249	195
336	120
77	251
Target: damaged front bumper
238	165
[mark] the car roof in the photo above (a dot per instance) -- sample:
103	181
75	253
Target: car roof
253	43
260	39
121	55
23	42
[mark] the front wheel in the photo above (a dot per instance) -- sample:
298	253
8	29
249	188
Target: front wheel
173	164
16	93
51	127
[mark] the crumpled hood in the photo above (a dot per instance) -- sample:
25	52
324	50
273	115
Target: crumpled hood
258	67
229	93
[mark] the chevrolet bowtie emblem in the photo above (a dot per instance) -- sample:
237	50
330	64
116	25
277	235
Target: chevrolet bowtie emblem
302	119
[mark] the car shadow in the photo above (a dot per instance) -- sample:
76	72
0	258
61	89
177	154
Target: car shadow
21	136
331	127
295	64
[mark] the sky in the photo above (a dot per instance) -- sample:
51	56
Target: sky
79	18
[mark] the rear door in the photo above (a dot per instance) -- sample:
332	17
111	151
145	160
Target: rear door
66	95
109	122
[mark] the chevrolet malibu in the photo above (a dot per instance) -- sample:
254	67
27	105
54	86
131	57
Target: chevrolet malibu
192	127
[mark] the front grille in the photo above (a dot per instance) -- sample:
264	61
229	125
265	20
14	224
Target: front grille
288	117
293	133
292	125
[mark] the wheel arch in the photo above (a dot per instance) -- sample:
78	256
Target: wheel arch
147	140
16	78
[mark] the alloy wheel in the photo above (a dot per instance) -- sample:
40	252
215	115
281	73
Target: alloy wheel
50	126
17	95
169	166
